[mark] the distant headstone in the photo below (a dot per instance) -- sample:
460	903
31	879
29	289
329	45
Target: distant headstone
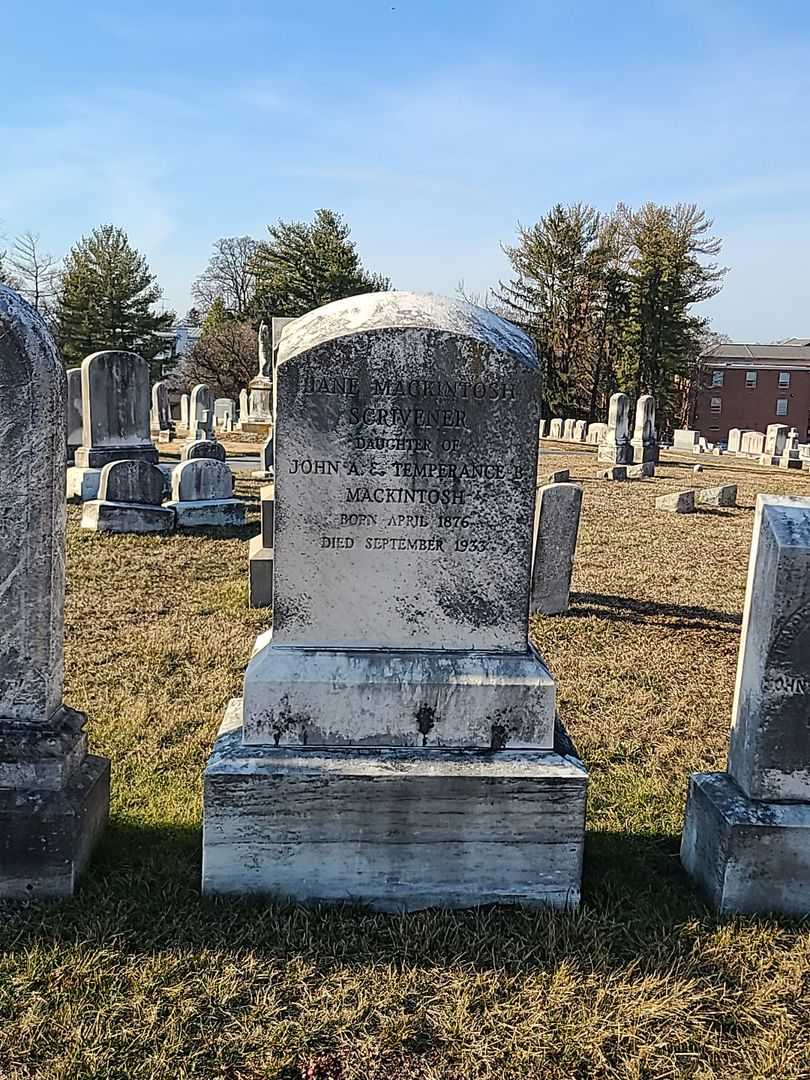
244	404
184	410
746	837
735	439
679	502
223	411
645	440
580	431
131	482
203	448
261	387
115	410
752	443
775	442
555	430
161	410
596	432
568	429
265	470
201	412
558	512
542	429
53	797
685	439
202	495
615	448
697	468
73	409
406	461
790	458
639	472
559	477
724	495
615	472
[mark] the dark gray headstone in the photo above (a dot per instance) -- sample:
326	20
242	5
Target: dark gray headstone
131	482
202	479
203	448
115	409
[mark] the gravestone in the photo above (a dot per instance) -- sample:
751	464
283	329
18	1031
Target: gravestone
115	410
596	433
645	441
555	430
640	472
223	412
752	443
541	431
746	836
580	432
261	387
265	470
184	410
54	797
775	442
129	498
686	439
260	553
568	429
735	439
724	495
201	413
558	511
73	411
398	671
615	472
561	476
202	495
203	448
679	502
615	448
790	458
161	410
244	405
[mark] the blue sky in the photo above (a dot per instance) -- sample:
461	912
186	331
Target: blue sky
433	126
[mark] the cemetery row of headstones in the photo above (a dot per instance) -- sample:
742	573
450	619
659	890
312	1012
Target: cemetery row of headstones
779	445
617	445
395	742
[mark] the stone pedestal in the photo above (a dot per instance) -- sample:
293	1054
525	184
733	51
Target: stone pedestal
202	495
615	448
394	829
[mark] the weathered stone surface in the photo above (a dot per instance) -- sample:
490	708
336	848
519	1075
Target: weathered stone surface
679	502
775	440
51	807
224	409
405	460
616	472
541	433
752	443
184	410
131	482
645	440
769	752
580	431
115	517
161	411
244	404
202	478
558	511
73	410
560	476
203	448
640	472
400	829
616	448
265	470
555	430
268	505
747	857
724	495
596	432
685	439
278	324
260	574
568	429
201	411
115	409
261	387
734	443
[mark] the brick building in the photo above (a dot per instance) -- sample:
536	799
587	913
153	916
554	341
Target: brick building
751	386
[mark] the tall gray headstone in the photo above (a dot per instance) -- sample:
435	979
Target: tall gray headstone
115	410
645	440
184	410
616	448
161	410
558	510
747	832
53	797
73	411
261	387
201	412
244	404
406	460
555	430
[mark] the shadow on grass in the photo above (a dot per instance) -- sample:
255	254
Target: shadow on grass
626	609
141	895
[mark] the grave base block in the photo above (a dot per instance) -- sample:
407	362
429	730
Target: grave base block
82	484
747	857
47	836
260	574
393	829
113	517
224	513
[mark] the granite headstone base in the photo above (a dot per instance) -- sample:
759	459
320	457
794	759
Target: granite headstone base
256	427
90	457
82	484
203	513
393	829
99	515
747	856
306	696
260	574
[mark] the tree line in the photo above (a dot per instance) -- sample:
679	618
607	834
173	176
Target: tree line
609	298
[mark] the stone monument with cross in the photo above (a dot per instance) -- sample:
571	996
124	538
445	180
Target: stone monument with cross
54	797
395	741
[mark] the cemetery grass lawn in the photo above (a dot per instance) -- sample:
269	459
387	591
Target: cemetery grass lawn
138	976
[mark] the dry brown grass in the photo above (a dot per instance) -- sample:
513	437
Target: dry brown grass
140	977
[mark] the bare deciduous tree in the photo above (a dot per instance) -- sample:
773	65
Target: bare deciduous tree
36	271
229	277
225	358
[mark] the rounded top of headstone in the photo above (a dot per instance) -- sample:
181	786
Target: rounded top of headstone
201	479
200	390
203	448
110	357
26	346
131	481
404	310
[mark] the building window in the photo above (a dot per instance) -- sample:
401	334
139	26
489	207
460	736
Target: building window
716	405
717	378
750	379
781	406
784	378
